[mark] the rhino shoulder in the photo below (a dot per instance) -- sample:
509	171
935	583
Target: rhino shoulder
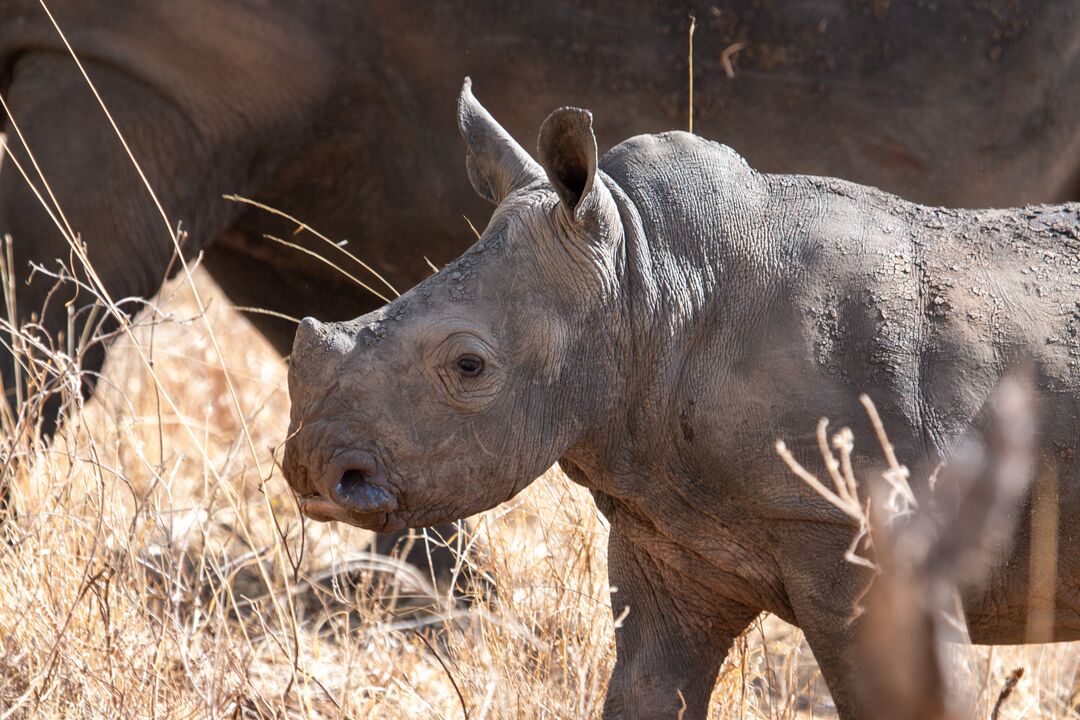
661	173
643	153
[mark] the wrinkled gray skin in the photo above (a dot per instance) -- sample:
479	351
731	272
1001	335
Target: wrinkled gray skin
654	323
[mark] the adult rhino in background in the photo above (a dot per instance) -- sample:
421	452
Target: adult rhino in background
654	321
331	110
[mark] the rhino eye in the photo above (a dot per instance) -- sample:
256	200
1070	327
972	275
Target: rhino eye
470	365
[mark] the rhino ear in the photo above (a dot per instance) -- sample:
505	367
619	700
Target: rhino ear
497	165
567	151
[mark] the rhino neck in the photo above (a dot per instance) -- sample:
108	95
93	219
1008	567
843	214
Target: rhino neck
701	230
705	248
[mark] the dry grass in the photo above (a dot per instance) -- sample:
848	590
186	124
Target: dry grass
157	567
145	575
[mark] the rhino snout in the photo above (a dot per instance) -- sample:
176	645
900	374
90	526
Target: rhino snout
363	488
352	488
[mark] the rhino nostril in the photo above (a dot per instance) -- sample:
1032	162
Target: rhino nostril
355	491
351	478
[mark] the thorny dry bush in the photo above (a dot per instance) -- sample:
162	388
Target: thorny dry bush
925	550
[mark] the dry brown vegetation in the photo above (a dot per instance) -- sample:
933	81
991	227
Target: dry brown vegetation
156	568
155	565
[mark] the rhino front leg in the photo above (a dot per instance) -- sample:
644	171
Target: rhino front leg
824	592
668	649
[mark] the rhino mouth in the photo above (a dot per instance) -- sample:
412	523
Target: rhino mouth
353	489
316	507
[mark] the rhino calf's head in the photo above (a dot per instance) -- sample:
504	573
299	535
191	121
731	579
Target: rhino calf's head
452	398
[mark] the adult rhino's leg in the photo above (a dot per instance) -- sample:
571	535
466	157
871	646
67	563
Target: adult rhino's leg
672	641
100	194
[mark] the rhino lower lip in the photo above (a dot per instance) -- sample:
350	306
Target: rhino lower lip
357	492
316	507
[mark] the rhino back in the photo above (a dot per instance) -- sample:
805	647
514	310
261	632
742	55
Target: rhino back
1001	287
932	306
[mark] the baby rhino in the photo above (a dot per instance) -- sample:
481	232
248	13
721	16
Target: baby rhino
655	321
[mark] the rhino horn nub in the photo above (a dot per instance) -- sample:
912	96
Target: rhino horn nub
497	165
